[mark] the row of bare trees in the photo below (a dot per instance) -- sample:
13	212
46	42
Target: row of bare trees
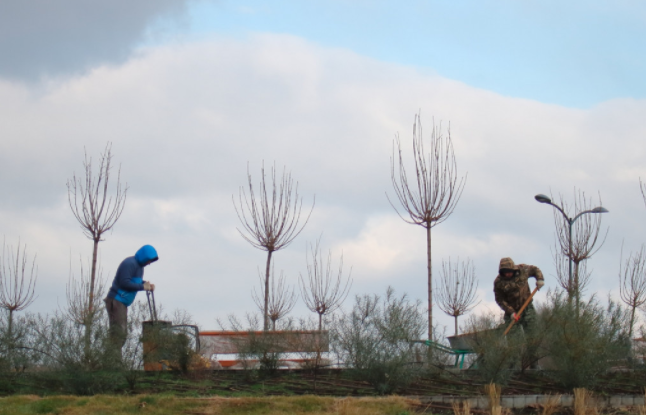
271	219
97	210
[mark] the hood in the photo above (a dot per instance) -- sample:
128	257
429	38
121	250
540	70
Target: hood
146	253
507	263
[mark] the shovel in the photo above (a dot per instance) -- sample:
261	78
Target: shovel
520	312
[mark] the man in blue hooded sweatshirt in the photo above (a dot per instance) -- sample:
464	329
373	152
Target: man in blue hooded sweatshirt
127	282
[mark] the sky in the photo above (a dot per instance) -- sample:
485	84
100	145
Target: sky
539	97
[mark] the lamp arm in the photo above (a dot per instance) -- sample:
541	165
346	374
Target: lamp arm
570	221
582	213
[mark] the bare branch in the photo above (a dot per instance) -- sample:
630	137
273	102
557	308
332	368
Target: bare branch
458	285
432	197
282	298
77	293
325	290
582	275
585	231
17	278
92	206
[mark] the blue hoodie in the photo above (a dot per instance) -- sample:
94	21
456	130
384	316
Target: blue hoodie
130	275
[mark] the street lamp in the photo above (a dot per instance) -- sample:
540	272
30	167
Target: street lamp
599	209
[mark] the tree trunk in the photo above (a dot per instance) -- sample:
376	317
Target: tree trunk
10	344
93	273
632	322
266	311
90	307
10	325
456	324
577	289
430	281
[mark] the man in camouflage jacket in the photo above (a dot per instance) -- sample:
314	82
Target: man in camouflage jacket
511	289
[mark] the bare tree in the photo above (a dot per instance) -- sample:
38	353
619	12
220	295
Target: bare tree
325	289
578	241
430	198
642	187
270	220
458	285
632	283
94	208
282	298
17	281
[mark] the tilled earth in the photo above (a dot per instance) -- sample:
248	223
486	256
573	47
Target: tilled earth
343	383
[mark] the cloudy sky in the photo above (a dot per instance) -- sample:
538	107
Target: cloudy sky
541	97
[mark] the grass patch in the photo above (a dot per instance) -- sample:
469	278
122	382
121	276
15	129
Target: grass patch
167	405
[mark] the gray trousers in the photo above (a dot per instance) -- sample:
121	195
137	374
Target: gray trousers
118	318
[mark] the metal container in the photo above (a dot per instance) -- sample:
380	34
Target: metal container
462	341
153	337
467	341
163	341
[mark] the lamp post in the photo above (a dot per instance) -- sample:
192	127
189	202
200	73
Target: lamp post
541	198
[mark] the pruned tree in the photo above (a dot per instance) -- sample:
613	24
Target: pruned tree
95	207
325	289
632	283
270	218
18	278
458	285
282	298
430	197
580	240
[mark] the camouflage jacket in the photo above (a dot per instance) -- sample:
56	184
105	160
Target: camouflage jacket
511	293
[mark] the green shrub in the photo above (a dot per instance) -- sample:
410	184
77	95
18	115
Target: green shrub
585	345
375	340
499	356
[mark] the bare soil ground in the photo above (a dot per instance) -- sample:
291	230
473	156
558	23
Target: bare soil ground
342	383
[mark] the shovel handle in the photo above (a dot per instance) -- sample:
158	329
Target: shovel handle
152	308
520	312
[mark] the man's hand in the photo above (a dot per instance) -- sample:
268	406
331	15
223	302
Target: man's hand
148	286
539	284
516	317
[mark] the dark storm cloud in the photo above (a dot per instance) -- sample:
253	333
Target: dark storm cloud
47	37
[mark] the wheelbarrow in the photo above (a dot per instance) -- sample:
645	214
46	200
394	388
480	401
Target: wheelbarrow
460	347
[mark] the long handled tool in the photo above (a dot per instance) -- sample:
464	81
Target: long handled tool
520	312
153	307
